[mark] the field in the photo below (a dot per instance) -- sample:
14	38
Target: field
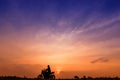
88	78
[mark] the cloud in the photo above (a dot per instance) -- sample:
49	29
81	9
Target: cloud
100	60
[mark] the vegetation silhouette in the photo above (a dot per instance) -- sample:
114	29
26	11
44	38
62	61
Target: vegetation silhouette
83	78
76	78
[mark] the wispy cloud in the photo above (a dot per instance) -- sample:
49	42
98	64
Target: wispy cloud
100	60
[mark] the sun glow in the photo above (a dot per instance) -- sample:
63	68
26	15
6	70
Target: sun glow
58	70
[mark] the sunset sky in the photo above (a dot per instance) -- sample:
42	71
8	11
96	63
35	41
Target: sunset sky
75	37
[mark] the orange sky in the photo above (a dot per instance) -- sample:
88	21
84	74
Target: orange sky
24	53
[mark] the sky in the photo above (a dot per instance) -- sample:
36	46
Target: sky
75	37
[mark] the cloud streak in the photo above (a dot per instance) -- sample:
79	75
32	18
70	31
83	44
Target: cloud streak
100	60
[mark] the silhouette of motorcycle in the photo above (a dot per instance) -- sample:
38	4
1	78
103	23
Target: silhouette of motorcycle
46	74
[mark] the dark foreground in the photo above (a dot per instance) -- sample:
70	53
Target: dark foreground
88	78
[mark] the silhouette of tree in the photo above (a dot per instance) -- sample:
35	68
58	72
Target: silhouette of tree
76	77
